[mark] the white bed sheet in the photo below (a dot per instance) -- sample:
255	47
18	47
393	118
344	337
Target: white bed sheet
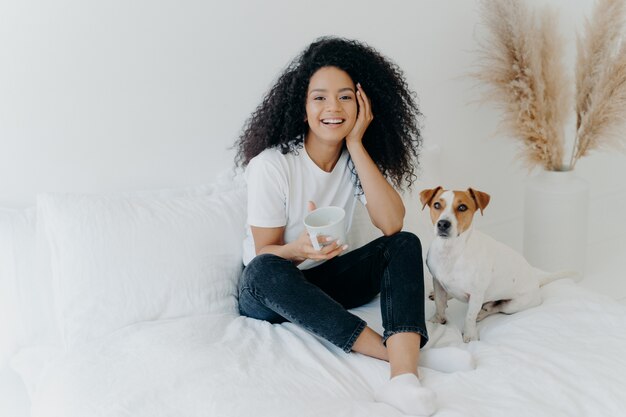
562	358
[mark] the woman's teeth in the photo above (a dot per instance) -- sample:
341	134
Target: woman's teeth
332	121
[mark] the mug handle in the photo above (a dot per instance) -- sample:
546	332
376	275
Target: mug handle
314	242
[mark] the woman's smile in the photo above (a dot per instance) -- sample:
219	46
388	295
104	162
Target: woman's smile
333	123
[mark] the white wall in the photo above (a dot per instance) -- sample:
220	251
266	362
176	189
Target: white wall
121	95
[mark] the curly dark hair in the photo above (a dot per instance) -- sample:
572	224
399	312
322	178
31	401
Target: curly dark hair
392	139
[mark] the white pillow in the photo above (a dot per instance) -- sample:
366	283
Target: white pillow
39	324
125	259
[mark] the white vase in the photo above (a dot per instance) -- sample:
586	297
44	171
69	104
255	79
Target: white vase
555	221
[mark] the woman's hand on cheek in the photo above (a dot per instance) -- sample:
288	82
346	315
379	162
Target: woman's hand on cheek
363	119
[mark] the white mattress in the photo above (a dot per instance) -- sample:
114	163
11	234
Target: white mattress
563	358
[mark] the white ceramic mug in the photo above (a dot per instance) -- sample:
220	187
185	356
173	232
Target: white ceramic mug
326	221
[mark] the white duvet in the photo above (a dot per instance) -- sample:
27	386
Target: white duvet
563	358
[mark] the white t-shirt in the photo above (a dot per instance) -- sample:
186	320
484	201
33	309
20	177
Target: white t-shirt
280	186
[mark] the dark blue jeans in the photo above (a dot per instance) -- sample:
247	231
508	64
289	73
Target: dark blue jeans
274	289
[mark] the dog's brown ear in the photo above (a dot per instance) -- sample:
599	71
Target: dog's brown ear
426	196
481	199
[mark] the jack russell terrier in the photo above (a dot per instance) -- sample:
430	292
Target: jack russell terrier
473	267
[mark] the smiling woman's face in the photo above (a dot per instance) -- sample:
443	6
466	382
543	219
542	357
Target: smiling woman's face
331	105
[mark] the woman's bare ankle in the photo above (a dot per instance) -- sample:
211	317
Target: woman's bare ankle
403	351
370	343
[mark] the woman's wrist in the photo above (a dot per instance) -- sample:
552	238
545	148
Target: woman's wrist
287	251
354	144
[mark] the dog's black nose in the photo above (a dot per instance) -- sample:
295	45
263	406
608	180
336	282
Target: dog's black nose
443	225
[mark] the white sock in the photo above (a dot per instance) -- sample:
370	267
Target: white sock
405	392
447	359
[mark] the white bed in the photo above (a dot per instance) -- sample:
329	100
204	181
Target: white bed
131	320
564	358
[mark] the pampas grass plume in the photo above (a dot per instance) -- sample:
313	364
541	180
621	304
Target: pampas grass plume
522	66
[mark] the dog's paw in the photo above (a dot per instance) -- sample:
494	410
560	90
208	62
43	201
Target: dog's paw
438	319
470	335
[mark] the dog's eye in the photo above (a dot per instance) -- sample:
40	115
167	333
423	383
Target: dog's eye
462	207
437	206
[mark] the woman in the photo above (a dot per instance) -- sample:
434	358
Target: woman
339	127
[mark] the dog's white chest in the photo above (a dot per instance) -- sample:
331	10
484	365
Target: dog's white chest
444	261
